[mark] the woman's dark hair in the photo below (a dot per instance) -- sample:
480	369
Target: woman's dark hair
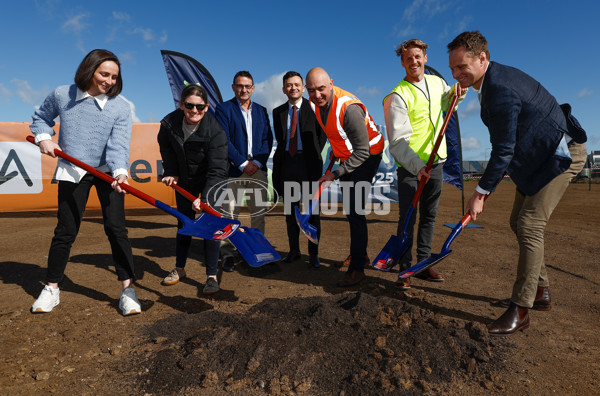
195	90
87	68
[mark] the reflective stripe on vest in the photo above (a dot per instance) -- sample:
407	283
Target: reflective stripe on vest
426	116
334	129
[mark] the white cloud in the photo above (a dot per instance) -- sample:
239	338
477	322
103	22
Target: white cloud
268	93
146	34
134	117
424	8
585	92
469	144
75	24
163	38
121	16
4	93
127	57
468	109
372	92
28	94
122	23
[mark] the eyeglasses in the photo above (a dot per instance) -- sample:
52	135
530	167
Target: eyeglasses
240	86
190	106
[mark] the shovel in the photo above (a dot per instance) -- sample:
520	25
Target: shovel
436	258
302	219
250	242
205	226
397	245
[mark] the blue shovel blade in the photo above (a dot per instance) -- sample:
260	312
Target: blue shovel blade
393	251
254	247
423	265
207	226
308	229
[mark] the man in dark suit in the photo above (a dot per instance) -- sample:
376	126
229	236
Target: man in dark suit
297	158
539	144
250	141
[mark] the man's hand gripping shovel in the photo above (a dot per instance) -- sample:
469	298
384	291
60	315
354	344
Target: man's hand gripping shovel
302	219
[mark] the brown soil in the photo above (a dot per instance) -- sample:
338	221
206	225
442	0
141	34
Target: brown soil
285	328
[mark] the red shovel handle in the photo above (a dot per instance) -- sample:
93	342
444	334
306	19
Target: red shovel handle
190	197
101	175
436	146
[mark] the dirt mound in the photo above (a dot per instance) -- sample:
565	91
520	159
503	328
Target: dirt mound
350	344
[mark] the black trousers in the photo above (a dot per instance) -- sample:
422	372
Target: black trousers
359	233
72	199
294	169
183	242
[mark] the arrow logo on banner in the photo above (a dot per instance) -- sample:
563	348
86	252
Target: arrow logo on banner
12	156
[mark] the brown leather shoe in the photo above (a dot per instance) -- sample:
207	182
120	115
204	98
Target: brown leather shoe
403	284
430	275
346	262
514	319
351	278
542	300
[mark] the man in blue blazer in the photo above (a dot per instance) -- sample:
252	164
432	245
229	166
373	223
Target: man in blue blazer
250	141
541	147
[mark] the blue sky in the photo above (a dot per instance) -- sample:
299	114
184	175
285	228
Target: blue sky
44	41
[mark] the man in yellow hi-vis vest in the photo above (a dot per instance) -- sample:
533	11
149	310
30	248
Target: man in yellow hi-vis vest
414	117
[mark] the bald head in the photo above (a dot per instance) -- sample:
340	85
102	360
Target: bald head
319	86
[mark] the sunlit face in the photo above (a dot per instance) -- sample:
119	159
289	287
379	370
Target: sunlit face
243	88
320	89
293	88
193	116
466	69
104	78
413	60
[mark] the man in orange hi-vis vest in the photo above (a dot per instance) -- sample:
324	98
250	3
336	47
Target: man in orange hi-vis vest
358	144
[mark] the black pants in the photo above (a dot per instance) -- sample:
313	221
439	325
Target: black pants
427	206
359	233
295	170
72	199
183	242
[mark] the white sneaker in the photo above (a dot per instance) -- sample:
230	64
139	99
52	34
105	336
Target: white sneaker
174	276
129	303
48	299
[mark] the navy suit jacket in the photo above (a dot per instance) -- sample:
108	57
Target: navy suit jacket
526	125
313	140
230	117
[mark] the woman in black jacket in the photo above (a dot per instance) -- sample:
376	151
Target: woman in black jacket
193	147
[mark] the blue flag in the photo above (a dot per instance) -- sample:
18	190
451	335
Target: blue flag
453	165
184	70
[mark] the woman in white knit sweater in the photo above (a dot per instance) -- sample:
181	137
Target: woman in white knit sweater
95	127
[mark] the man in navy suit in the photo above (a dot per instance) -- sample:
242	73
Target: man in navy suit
250	141
297	157
539	144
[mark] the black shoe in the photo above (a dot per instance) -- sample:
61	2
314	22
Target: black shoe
314	261
228	264
292	256
514	319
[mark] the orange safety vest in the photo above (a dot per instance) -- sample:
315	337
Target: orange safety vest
342	148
